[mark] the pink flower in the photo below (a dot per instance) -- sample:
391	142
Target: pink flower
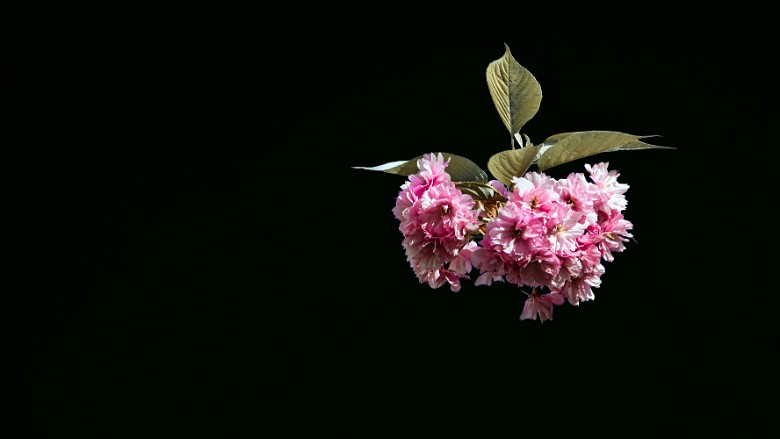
615	232
431	174
438	277
517	231
491	266
536	190
540	305
578	193
511	240
564	228
542	271
436	220
462	262
608	235
610	192
584	273
458	269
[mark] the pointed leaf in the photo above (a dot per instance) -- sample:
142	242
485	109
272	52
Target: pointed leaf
459	168
566	147
400	167
512	163
515	91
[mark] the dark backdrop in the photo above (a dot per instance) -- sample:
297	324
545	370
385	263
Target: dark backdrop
193	255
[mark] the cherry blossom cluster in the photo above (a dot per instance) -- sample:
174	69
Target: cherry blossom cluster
550	235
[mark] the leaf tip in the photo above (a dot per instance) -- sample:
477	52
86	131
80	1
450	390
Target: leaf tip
657	146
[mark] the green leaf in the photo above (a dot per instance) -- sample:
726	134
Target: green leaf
480	191
459	168
515	91
566	147
512	163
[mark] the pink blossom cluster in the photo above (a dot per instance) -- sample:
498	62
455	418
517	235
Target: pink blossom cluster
548	233
437	221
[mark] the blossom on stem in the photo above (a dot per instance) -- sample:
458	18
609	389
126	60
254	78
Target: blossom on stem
436	220
543	233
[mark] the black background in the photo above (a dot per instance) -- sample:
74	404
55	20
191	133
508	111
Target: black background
194	256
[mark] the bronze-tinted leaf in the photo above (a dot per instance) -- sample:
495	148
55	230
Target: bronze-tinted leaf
512	163
459	168
480	191
515	91
566	147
